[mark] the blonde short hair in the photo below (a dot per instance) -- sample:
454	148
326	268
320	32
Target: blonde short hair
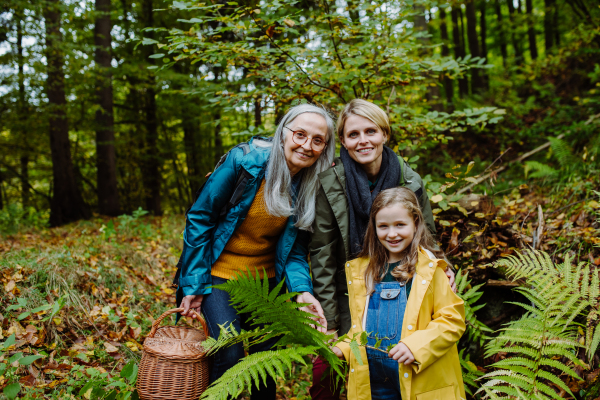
367	110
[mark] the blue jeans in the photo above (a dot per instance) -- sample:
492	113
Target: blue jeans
384	322
218	311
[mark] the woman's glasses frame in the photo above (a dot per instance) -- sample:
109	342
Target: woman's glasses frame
301	142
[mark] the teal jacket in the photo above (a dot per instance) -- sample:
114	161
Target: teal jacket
329	246
207	233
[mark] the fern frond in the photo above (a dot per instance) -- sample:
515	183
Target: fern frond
540	170
281	317
253	369
470	372
476	330
593	344
562	151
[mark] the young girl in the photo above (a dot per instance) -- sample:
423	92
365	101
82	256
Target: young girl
399	294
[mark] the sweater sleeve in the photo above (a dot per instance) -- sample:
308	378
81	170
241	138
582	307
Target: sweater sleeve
322	248
445	328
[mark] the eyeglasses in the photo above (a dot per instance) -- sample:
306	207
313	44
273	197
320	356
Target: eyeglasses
300	138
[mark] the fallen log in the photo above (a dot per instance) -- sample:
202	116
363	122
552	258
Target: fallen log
508	164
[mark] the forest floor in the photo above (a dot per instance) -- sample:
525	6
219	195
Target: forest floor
84	296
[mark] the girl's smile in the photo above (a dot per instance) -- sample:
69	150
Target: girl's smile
395	230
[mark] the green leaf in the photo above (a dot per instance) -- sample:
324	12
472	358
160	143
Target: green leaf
24	315
15	357
356	351
10	341
157	55
364	338
29	359
12	390
130	371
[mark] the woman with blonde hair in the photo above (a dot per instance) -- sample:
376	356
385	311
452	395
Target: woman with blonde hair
365	167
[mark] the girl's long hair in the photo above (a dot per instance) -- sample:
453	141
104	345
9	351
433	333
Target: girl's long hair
277	194
378	254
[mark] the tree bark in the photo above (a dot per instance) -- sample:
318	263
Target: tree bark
22	116
151	168
448	87
531	30
257	112
433	92
501	33
513	35
217	135
549	24
476	84
67	203
106	159
484	50
459	49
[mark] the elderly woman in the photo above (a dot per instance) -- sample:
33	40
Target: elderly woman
267	231
365	167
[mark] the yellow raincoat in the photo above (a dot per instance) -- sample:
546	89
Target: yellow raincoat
434	321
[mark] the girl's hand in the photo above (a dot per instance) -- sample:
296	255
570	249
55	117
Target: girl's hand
402	354
192	302
337	352
450	274
314	308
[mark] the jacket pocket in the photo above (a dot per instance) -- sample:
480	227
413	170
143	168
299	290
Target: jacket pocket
445	393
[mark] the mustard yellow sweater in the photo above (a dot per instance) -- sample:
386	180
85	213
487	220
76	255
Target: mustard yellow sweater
253	244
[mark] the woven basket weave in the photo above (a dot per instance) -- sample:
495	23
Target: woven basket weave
174	365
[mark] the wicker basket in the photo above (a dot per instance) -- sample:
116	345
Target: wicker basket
174	365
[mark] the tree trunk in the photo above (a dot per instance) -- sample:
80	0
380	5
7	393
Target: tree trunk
513	35
531	30
549	24
501	33
22	117
459	45
106	160
67	203
433	92
217	135
151	168
476	84
484	50
448	87
257	112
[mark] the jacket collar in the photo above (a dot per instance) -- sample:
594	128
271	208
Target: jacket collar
333	182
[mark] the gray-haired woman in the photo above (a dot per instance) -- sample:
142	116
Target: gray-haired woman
267	231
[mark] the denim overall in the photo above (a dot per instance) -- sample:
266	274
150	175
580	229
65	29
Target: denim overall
384	321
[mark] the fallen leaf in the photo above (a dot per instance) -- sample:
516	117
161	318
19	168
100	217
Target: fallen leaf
10	285
437	198
110	348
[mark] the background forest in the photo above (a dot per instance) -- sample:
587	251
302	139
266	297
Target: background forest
112	112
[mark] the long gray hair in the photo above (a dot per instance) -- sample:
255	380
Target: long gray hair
278	183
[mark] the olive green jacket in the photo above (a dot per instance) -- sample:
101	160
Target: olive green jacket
329	247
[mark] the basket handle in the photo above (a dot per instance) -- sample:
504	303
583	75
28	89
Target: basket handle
173	311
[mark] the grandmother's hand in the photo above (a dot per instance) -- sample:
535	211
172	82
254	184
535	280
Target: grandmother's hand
314	308
189	303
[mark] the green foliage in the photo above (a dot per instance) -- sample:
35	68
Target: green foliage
470	373
544	341
253	369
14	218
283	55
276	317
96	384
476	330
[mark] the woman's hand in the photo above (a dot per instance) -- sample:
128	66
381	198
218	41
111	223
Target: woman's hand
189	303
450	274
337	352
402	354
314	308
